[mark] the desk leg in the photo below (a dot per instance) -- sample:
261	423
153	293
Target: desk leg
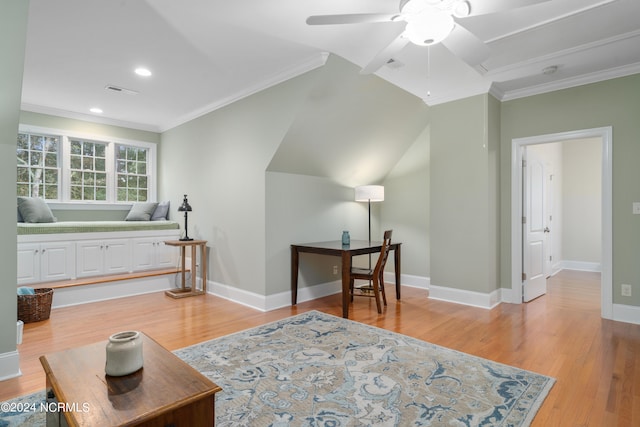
396	257
294	275
346	277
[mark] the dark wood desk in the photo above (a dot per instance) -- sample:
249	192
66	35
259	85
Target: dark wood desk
335	248
166	391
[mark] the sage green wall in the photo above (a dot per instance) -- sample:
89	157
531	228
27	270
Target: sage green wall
301	209
463	203
405	209
613	103
220	161
13	28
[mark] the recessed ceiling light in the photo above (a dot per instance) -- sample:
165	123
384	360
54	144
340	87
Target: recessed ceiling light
144	72
96	110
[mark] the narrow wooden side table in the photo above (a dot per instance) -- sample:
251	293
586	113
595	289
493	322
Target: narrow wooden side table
193	290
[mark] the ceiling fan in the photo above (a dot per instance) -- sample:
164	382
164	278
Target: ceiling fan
430	22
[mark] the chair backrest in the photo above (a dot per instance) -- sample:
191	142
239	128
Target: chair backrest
378	271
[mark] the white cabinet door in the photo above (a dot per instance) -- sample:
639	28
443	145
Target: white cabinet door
45	262
28	263
166	256
57	261
144	253
89	258
151	252
117	256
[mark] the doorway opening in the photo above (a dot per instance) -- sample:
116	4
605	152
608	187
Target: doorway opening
518	148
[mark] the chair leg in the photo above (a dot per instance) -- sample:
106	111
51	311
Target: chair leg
376	292
382	291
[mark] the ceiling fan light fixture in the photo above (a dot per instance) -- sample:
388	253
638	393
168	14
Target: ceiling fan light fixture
429	28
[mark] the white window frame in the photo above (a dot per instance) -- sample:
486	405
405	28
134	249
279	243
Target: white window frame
65	202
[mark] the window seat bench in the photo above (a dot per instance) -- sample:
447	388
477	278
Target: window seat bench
96	260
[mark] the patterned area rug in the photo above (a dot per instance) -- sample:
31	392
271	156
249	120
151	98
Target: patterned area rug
315	369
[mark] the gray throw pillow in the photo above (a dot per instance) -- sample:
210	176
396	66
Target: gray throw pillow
141	211
35	209
161	213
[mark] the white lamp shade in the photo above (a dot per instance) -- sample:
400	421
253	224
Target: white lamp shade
370	193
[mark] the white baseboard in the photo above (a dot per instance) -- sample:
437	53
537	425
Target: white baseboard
308	293
74	295
272	302
9	365
626	313
580	265
412	281
465	297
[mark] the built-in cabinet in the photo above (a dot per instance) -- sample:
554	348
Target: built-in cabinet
44	262
98	257
151	253
44	258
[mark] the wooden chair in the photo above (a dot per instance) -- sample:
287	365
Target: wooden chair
375	275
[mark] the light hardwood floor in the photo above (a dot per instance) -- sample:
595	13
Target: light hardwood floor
596	362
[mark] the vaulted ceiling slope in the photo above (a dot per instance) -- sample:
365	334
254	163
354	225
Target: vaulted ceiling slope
205	54
353	128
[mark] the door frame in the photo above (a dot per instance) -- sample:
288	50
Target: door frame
606	136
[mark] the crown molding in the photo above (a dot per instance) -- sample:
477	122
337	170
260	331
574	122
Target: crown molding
41	109
584	79
316	61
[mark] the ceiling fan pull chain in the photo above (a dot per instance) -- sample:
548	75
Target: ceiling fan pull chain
428	71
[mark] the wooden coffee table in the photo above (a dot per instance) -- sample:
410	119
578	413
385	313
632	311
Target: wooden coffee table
166	391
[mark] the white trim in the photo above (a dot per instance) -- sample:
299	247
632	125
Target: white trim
626	313
110	142
412	281
9	365
52	111
595	267
272	302
315	61
606	134
465	297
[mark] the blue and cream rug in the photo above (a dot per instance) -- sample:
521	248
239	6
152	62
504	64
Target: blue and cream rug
315	369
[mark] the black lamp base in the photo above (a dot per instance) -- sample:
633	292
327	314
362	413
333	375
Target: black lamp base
186	239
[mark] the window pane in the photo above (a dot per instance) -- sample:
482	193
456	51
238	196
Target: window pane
37	157
76	192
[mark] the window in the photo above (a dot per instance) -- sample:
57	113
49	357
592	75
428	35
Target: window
88	162
38	167
87	169
132	179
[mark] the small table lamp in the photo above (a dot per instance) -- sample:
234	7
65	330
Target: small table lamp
185	207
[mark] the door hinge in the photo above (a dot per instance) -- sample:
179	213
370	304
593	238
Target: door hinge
524	277
550	257
524	163
524	219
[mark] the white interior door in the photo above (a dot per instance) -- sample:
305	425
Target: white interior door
534	235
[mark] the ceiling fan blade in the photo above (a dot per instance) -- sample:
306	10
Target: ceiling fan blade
385	54
482	7
357	18
464	44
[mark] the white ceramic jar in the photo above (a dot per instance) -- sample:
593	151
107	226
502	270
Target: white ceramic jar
124	353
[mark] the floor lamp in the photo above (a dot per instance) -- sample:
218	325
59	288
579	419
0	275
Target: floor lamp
370	193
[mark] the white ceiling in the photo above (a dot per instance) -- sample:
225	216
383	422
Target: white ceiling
205	54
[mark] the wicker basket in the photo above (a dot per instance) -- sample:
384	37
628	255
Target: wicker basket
34	308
